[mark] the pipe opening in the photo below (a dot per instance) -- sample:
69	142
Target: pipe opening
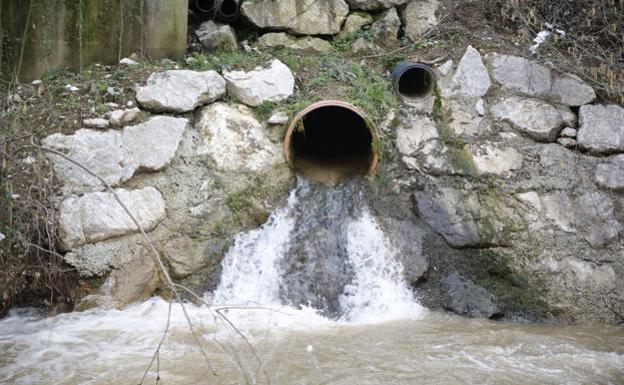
225	10
331	141
413	80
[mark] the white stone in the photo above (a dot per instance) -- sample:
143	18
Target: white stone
567	142
410	137
610	174
463	118
278	117
99	151
536	118
446	67
95	123
2	237
520	75
306	43
419	17
180	90
480	107
98	216
489	159
128	62
272	84
601	128
152	145
120	118
590	214
36	82
234	140
531	198
301	17
471	78
114	155
568	132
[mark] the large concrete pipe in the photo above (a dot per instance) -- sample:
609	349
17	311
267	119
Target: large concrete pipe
331	140
413	80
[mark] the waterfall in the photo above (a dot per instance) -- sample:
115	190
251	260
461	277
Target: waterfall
323	250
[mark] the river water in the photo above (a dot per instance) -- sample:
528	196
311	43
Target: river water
315	296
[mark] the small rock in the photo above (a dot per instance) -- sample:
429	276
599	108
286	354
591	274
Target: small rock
110	91
112	105
71	88
445	68
214	36
467	298
128	62
611	173
98	216
95	123
2	237
386	27
308	43
119	118
567	142
355	22
36	82
601	128
275	83
489	159
278	118
130	104
471	78
180	90
568	132
464	119
536	118
480	107
419	17
410	137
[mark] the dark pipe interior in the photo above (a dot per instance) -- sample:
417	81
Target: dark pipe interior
333	141
217	8
416	82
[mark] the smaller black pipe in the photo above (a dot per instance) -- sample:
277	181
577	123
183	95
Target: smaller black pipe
413	80
224	10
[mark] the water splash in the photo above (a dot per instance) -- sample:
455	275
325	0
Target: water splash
323	251
379	291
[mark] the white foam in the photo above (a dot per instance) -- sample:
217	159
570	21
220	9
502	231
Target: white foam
250	268
379	292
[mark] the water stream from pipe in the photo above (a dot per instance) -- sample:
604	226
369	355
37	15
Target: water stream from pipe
319	292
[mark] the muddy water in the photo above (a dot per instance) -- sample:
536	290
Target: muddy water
319	298
299	347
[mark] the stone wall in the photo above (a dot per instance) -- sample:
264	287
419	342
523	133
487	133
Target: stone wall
79	32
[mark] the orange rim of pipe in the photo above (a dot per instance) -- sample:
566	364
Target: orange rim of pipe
334	103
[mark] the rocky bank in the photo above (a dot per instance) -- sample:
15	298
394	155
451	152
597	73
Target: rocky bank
504	188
